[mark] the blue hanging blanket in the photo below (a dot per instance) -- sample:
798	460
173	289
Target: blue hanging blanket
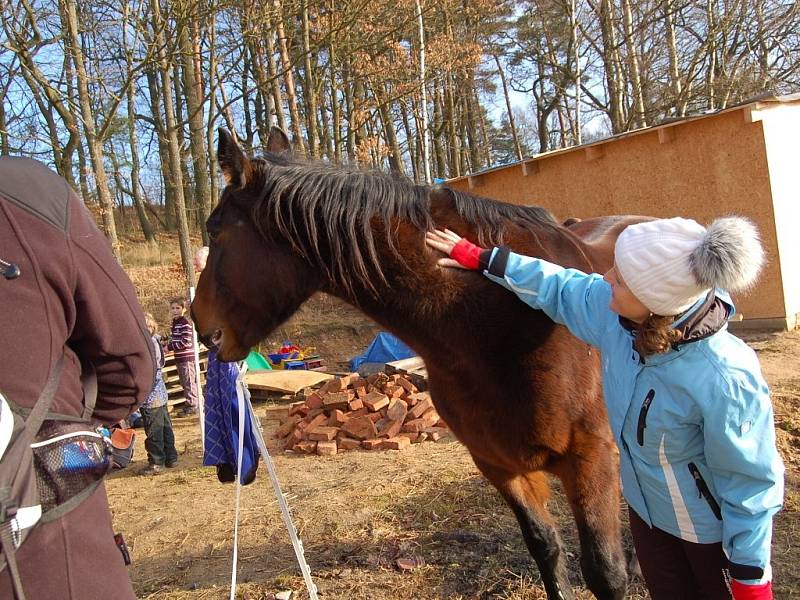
222	423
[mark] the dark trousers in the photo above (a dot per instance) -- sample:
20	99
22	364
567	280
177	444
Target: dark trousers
675	569
160	440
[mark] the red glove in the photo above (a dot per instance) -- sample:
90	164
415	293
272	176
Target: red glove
467	254
742	591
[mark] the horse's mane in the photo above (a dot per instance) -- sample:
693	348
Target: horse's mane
307	203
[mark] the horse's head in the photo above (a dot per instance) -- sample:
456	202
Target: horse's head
253	281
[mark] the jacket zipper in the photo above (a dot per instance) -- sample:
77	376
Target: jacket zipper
648	400
702	487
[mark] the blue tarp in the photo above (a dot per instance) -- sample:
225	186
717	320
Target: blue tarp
384	348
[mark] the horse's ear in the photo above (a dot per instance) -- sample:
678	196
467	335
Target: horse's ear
278	142
233	162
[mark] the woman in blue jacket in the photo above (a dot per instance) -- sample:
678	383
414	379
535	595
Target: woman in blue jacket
687	403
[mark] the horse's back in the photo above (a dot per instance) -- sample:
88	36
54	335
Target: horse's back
599	234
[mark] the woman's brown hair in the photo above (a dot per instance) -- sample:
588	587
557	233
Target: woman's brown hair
655	335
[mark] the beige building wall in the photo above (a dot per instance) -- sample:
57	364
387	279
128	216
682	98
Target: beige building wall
781	124
703	168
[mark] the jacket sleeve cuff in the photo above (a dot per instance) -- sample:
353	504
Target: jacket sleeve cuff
494	260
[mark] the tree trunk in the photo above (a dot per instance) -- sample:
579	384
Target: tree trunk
639	119
288	80
309	92
395	163
5	149
452	139
138	202
163	149
573	16
711	32
275	84
423	98
438	128
194	106
510	112
336	113
175	166
611	66
95	145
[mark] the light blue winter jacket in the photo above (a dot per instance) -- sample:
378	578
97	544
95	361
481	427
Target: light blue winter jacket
694	426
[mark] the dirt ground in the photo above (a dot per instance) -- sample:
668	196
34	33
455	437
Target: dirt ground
358	512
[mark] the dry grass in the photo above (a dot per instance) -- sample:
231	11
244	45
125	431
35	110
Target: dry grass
356	513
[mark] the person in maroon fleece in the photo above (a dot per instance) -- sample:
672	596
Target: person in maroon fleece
181	343
64	294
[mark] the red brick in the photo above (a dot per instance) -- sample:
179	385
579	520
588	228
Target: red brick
414	399
391	429
322	433
361	428
337	419
420	408
372	444
415	425
356	404
397	410
431	416
348	444
436	433
287	426
307	447
407	385
299	408
337	400
315	421
326	448
375	417
413	436
375	401
358	413
295	437
377	378
331	385
396	443
351	379
314	400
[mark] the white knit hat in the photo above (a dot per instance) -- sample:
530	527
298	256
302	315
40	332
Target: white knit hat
669	264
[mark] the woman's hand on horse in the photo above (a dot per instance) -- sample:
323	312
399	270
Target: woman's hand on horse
462	253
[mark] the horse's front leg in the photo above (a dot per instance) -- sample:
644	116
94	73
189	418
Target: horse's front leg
527	494
590	478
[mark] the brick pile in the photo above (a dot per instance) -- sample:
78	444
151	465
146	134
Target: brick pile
380	412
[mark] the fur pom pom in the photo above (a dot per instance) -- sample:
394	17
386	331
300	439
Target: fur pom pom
729	256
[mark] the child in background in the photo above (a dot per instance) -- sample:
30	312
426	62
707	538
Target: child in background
182	345
160	440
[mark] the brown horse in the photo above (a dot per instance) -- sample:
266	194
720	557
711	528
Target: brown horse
520	392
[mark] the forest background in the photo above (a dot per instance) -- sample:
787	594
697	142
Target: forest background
123	98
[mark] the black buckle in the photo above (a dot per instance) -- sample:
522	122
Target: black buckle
8	510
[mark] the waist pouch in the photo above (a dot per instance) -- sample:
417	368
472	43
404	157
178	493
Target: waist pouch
70	461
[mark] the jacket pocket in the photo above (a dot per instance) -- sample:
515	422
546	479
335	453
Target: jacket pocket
640	427
702	487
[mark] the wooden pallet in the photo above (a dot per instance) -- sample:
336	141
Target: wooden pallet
170	372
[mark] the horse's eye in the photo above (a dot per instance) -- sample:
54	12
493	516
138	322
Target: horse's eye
213	225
